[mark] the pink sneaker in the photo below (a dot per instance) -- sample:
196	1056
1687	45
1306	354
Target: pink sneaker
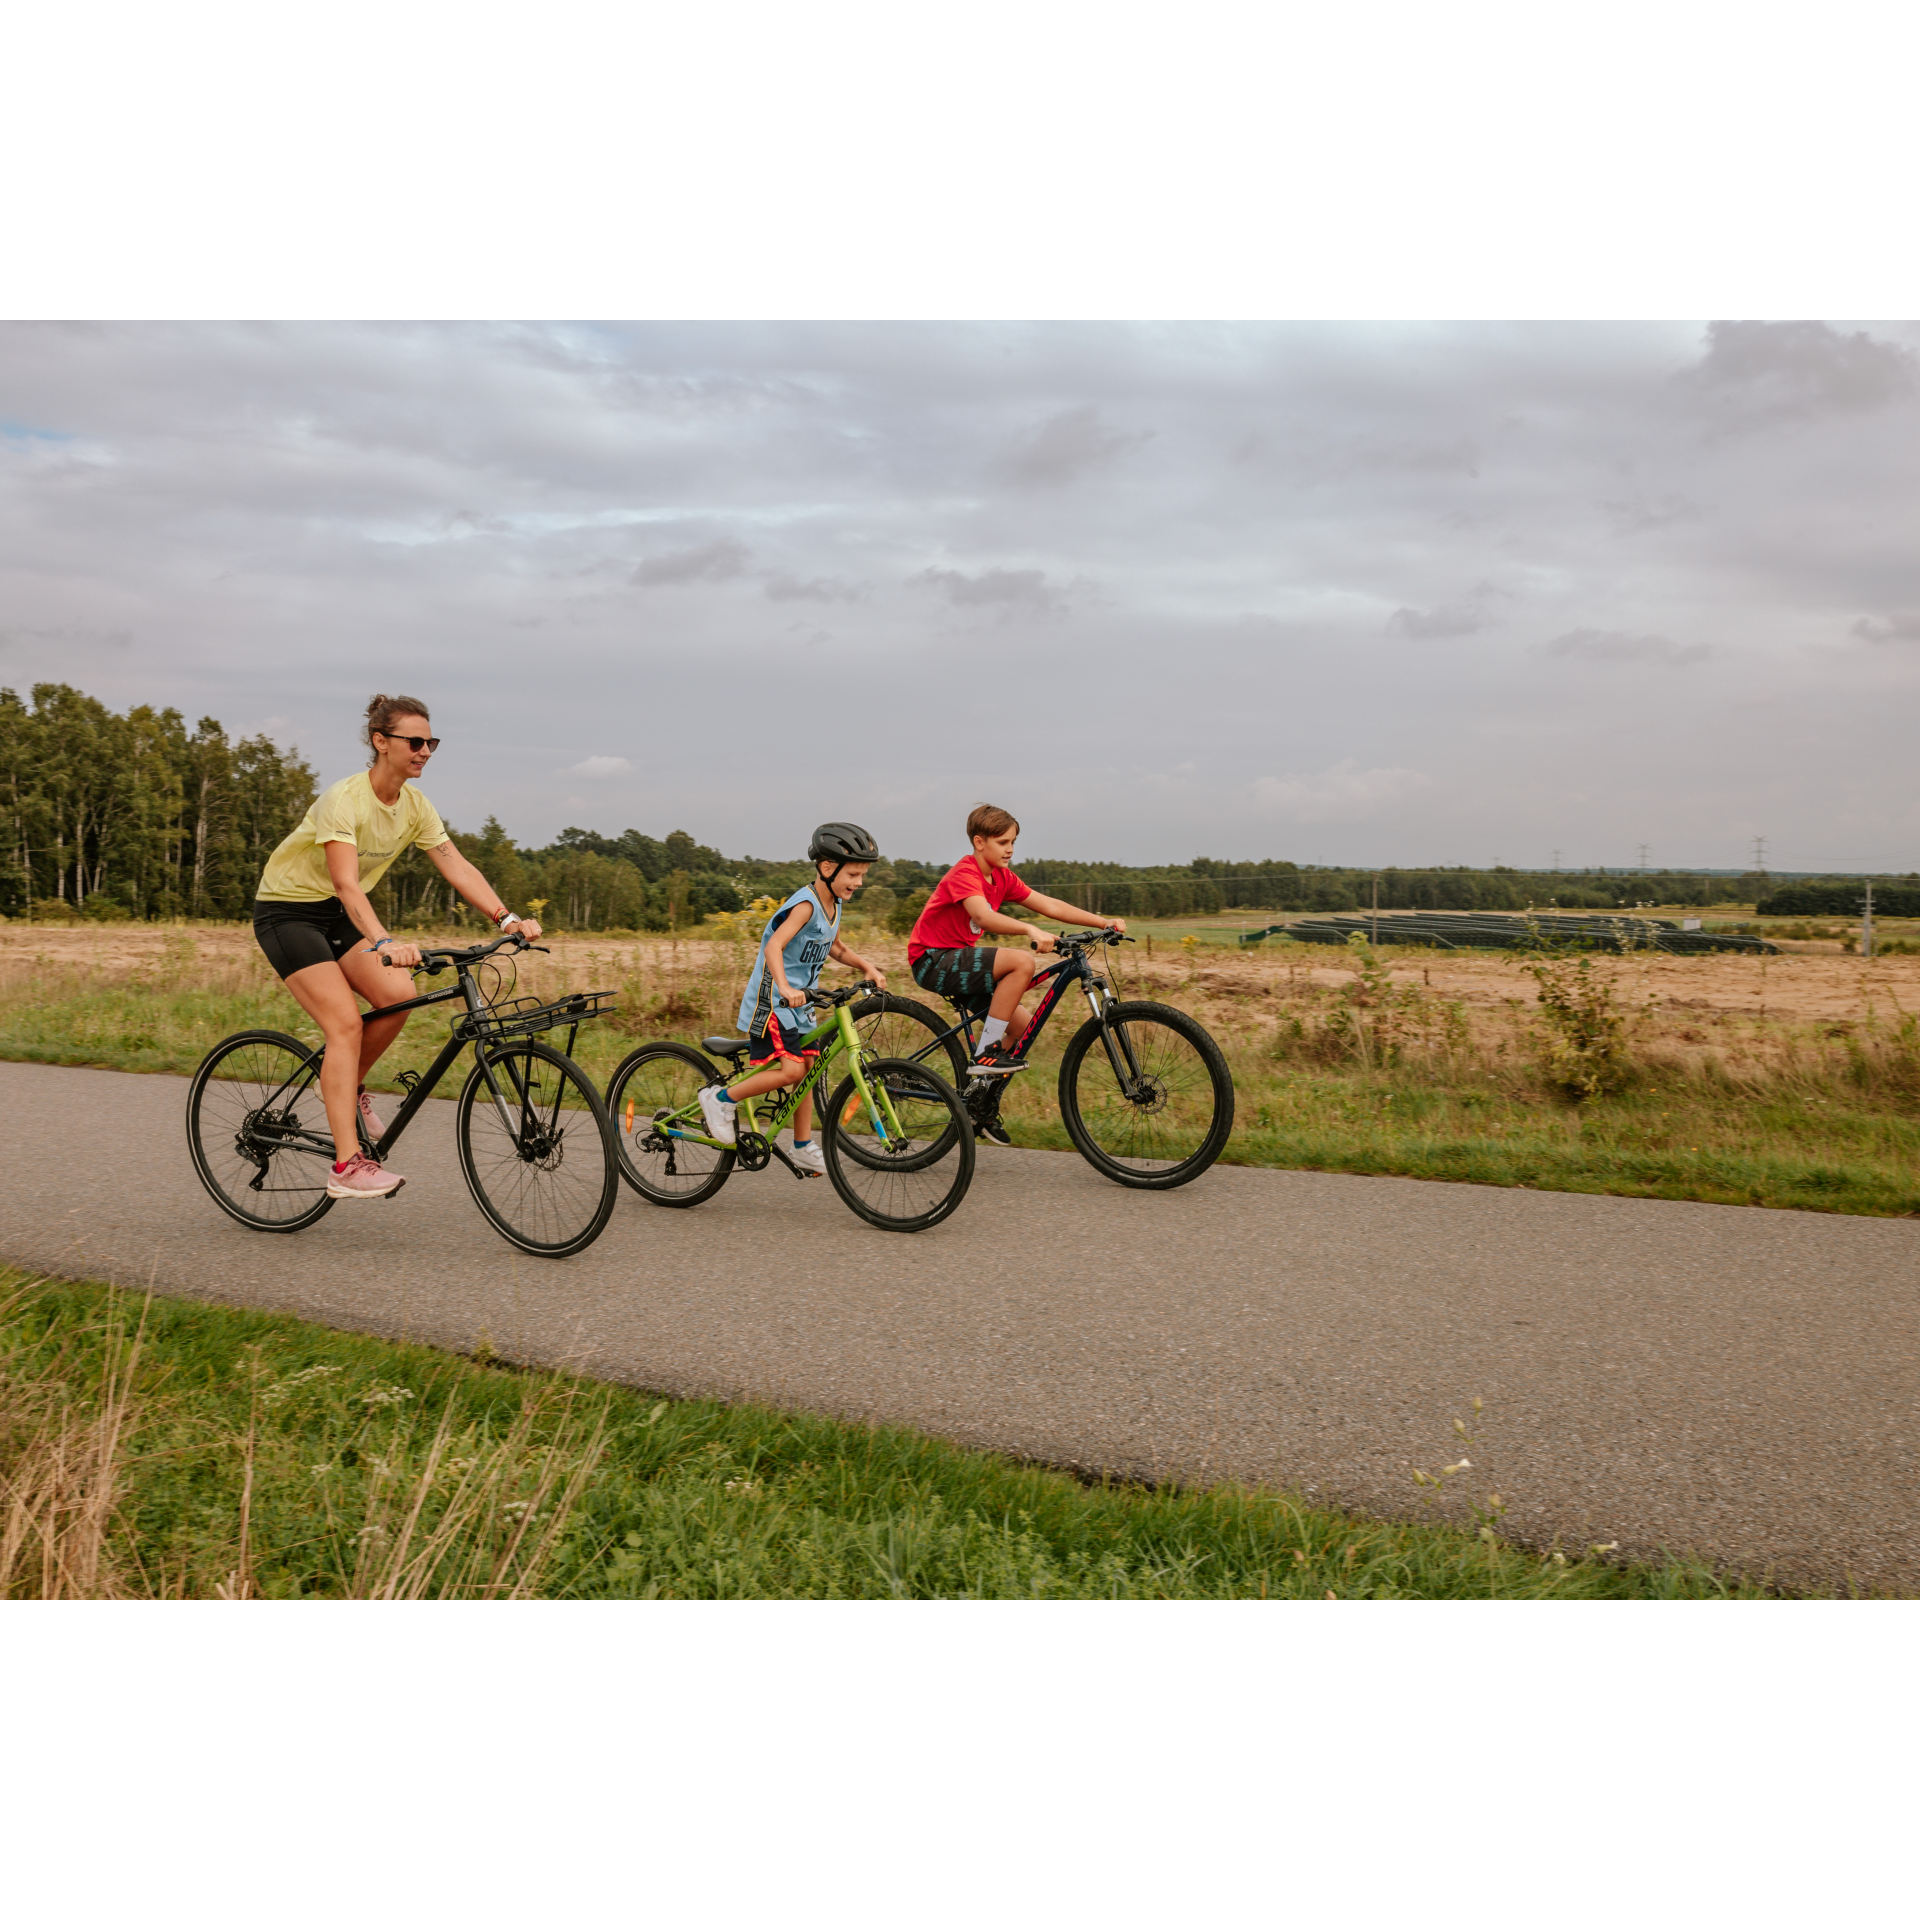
374	1125
363	1179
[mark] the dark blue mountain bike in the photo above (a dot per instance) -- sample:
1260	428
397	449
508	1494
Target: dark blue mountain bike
1144	1089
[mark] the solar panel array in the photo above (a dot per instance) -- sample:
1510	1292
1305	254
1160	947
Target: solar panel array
1601	931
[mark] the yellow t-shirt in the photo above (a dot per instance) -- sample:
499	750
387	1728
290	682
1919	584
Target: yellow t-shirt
350	810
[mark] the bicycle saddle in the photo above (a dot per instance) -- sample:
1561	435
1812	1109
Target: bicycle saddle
727	1046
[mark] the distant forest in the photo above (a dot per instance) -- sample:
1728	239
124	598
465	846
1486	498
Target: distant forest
137	816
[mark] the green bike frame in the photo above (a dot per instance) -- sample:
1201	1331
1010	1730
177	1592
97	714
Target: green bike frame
835	1036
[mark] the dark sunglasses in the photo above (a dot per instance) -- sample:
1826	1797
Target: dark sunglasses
414	741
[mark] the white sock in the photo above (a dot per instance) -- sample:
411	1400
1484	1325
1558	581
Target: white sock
990	1031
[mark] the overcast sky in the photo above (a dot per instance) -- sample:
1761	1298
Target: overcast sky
1356	593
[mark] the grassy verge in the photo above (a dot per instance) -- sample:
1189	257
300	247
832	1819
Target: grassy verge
1429	1066
168	1448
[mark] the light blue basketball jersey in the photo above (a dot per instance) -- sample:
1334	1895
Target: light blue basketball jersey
801	959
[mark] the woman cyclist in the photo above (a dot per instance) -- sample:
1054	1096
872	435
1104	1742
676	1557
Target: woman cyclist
319	931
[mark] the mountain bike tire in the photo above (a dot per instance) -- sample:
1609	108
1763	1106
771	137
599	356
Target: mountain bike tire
231	1132
663	1074
1176	1131
893	1027
917	1183
547	1184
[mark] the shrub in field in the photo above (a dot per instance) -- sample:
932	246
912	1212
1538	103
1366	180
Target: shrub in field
1582	1028
1378	1023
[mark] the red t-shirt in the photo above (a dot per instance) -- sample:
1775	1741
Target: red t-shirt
944	922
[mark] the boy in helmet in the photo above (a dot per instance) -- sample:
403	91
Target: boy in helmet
945	954
802	936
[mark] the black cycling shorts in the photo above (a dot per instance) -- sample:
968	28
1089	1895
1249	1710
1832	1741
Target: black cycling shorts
302	933
963	975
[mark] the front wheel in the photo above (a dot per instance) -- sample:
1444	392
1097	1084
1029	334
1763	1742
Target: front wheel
655	1089
258	1133
537	1149
907	1170
1164	1117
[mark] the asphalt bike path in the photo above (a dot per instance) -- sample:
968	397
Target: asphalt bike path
1732	1382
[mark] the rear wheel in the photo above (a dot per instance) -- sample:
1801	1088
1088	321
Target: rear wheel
654	1081
895	1028
1164	1121
908	1173
258	1133
542	1170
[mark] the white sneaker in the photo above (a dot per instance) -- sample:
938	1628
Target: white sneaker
719	1115
808	1157
374	1125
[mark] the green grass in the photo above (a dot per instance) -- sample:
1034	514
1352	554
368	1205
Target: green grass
175	1448
1832	1142
1827	1121
165	1020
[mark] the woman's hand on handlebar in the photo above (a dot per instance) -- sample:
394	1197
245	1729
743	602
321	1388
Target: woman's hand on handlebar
528	930
1042	939
400	953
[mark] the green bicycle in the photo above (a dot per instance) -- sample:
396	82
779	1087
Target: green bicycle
896	1137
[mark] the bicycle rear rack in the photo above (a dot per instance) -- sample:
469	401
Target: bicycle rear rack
518	1018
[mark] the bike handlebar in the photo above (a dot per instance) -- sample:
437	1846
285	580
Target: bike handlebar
839	996
438	959
1090	937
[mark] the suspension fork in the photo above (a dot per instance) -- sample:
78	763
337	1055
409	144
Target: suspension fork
1119	1049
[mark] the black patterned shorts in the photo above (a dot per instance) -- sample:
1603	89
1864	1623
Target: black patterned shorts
963	975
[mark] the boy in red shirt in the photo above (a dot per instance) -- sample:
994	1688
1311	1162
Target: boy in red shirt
944	950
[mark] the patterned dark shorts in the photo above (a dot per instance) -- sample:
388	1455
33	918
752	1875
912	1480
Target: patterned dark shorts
963	975
779	1038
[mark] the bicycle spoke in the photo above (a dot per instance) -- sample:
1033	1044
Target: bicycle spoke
902	1161
258	1133
664	1078
1162	1119
543	1175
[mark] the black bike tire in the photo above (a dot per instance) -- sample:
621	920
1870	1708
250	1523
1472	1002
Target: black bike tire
616	1086
471	1093
874	1006
196	1095
1087	1041
962	1151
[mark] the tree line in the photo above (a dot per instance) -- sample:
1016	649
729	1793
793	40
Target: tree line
137	816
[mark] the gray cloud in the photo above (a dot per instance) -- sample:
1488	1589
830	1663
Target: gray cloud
716	560
783	586
1595	643
1778	369
1637	513
1472	613
1893	626
1003	590
1068	445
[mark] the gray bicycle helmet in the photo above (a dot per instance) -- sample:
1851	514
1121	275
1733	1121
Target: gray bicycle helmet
841	842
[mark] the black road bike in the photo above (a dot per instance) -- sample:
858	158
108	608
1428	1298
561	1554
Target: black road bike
534	1140
1144	1089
